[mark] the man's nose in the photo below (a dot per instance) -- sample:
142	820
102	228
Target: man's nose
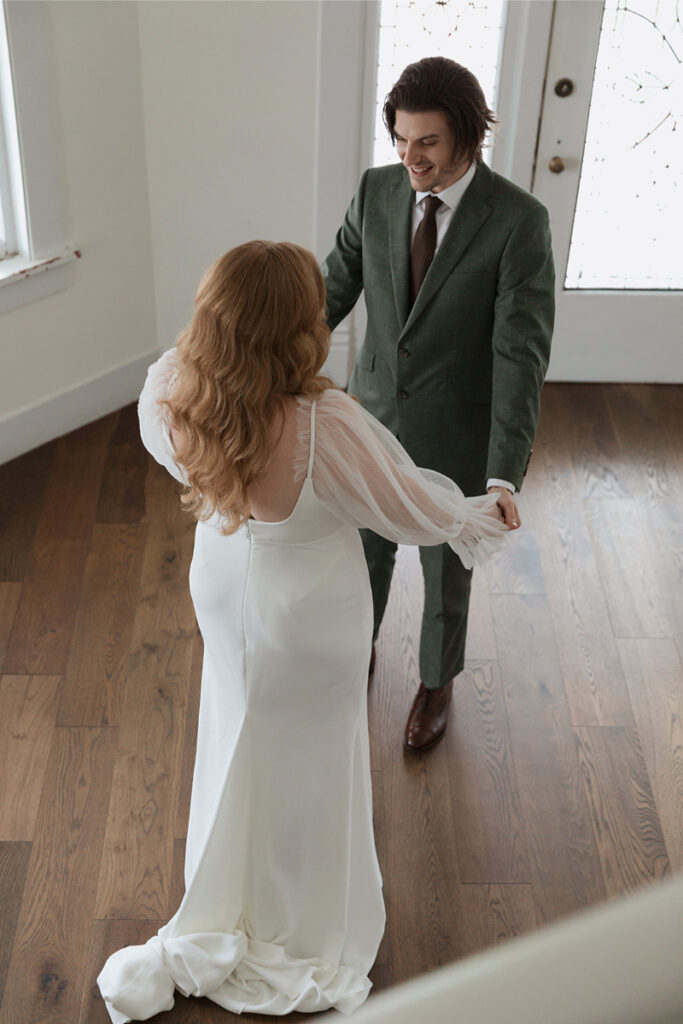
410	154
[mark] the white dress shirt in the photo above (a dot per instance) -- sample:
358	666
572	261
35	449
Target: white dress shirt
450	197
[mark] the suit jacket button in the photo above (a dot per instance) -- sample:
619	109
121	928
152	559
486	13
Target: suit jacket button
403	352
402	394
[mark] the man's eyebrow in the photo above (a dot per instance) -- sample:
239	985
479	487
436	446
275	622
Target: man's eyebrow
423	138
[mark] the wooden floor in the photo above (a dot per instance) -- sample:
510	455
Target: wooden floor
559	784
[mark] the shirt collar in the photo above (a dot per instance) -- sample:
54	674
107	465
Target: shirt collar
452	195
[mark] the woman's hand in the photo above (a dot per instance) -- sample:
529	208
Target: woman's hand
507	507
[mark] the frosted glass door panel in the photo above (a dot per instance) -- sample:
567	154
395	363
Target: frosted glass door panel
467	31
628	222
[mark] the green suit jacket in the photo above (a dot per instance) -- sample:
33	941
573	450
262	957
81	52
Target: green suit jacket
458	377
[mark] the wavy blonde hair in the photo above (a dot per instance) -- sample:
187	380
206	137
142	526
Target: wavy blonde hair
257	335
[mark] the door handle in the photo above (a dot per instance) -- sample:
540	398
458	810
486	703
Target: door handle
556	165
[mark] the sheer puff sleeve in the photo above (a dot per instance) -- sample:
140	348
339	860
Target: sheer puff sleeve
154	429
363	475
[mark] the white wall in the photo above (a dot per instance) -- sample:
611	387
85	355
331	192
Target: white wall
230	112
101	329
185	129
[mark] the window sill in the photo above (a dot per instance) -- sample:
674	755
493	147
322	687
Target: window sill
24	280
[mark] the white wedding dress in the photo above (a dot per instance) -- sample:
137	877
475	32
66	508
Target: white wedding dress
283	906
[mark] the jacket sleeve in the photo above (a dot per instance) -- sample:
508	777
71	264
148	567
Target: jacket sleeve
365	477
522	331
343	268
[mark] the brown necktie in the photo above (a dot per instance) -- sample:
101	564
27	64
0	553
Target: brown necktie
424	244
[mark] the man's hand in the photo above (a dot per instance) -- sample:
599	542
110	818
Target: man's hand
506	504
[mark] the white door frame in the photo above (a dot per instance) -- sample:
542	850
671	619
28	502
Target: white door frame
348	33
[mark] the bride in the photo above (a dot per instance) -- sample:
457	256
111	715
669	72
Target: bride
283	905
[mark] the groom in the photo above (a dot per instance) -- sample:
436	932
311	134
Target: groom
456	265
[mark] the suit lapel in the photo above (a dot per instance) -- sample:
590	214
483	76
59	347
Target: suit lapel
401	202
473	210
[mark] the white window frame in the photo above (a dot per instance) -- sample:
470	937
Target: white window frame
38	265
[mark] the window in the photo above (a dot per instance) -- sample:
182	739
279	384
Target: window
467	31
34	254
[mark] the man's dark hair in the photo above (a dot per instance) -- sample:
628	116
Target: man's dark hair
437	83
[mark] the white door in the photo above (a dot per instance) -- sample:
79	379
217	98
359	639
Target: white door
609	167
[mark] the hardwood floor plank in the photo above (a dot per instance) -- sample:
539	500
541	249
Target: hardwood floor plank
619	538
46	971
9	602
663	525
490	845
594	685
565	867
40	639
495	913
517	568
28	708
189	738
98	655
422	873
384	954
654	676
650	468
105	938
623	810
382	978
582	415
14	858
23	482
138	853
122	492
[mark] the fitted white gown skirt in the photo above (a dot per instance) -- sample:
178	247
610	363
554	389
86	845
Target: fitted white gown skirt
283	907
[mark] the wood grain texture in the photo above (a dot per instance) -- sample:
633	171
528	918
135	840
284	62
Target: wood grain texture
588	657
485	793
379	816
556	723
9	601
189	737
619	538
122	491
105	938
654	676
138	852
648	468
40	639
422	872
46	972
565	867
582	416
98	655
14	858
22	488
623	811
495	913
517	569
28	708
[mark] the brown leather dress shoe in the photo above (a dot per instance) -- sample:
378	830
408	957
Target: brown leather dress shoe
428	717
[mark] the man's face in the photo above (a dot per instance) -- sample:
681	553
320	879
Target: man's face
424	143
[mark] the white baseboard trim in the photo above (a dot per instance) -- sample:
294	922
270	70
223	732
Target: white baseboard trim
51	417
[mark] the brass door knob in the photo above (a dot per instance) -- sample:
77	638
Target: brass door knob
556	165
